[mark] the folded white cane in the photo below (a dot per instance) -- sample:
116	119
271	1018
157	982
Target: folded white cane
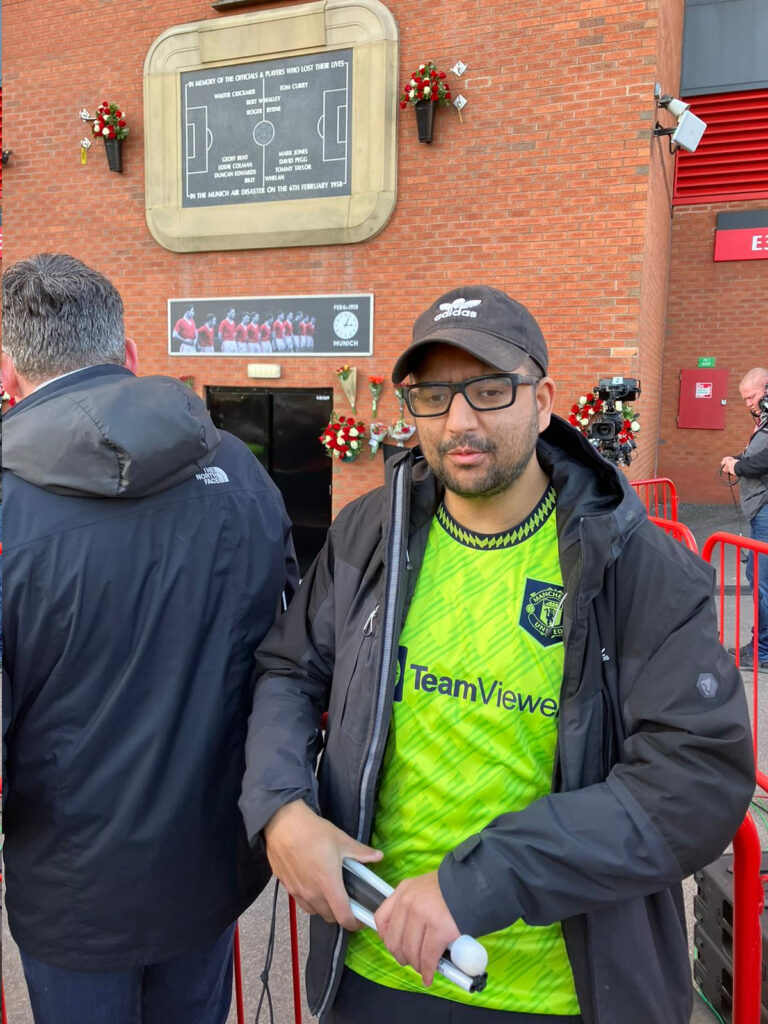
464	961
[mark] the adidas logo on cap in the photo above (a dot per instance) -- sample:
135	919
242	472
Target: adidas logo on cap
459	307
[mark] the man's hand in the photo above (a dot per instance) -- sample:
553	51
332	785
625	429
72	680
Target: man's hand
305	852
416	924
727	465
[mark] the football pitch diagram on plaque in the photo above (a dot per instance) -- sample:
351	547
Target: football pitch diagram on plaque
267	130
272	128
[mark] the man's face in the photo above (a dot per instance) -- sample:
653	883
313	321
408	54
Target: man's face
231	315
752	390
189	315
479	454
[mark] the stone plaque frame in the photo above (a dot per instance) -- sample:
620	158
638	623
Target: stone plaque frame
365	26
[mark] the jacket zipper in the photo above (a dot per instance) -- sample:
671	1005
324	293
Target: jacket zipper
390	603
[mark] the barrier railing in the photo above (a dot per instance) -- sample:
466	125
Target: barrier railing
677	530
737	545
748	900
748	883
659	495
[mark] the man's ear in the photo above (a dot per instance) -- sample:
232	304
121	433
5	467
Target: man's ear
131	355
11	382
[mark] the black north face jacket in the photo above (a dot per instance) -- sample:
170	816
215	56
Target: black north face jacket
653	770
144	558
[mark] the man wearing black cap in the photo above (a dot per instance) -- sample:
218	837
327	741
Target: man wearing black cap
532	725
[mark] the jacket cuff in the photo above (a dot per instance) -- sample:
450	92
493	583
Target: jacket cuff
472	901
257	813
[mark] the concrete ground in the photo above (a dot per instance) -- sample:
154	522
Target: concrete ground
254	925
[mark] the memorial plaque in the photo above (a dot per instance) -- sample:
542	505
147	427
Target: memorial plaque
273	325
268	130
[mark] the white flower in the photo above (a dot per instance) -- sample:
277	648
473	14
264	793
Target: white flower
353	431
427	90
635	426
422	66
619	407
105	130
413	82
584	420
354	444
411	93
583	400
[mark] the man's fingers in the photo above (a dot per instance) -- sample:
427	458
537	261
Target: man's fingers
430	953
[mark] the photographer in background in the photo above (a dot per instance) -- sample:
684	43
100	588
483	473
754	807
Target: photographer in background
751	468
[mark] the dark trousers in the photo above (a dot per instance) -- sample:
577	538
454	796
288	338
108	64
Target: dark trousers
360	1001
192	989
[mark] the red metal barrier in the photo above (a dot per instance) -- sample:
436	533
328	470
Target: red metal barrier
659	495
748	899
238	972
748	884
295	964
677	530
736	545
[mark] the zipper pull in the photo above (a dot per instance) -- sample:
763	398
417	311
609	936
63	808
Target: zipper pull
368	627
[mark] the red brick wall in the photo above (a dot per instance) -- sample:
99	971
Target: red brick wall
549	187
715	309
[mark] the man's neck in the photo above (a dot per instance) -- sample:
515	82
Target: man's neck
503	511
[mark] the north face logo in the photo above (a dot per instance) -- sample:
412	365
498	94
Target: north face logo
212	475
459	307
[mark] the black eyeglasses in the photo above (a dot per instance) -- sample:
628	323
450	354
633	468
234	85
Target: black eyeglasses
484	394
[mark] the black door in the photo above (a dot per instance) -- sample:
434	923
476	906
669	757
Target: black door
281	427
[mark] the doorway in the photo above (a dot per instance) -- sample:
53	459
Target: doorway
281	426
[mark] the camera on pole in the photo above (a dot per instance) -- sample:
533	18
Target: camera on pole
606	430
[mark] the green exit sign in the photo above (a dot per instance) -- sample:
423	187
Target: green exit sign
706	361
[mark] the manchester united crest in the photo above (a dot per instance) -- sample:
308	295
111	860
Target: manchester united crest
542	611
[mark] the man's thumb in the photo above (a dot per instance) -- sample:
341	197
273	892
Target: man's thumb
365	854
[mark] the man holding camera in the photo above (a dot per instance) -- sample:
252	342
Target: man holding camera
751	470
530	717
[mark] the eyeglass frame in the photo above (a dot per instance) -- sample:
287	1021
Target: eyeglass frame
460	387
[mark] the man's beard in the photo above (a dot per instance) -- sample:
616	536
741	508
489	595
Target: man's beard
498	477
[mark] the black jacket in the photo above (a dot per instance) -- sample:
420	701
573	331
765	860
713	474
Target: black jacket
144	559
653	770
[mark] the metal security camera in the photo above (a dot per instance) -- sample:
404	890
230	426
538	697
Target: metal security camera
690	129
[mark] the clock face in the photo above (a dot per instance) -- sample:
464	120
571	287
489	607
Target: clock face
345	325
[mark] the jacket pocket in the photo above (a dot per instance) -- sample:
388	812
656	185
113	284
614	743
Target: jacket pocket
355	679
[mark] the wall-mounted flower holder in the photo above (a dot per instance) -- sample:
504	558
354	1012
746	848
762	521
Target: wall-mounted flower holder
109	124
425	90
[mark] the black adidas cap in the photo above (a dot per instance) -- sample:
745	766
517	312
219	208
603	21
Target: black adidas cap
483	321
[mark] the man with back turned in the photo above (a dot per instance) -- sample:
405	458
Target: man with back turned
144	558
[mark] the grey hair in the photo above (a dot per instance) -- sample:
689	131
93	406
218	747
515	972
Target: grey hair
60	315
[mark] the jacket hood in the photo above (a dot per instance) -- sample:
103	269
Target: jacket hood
596	506
105	433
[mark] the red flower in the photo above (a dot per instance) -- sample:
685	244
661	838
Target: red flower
441	76
403	104
572	419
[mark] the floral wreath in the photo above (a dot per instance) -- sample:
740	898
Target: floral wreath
428	83
589	405
110	121
343	437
